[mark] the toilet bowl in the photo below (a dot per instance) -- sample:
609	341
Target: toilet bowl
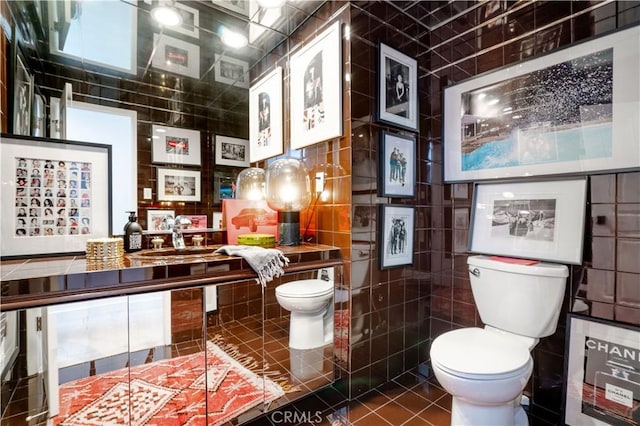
311	305
486	382
486	369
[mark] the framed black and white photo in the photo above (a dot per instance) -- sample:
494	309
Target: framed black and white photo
397	165
602	376
178	185
172	145
397	88
56	195
265	117
541	220
232	151
176	56
503	124
190	24
397	224
316	89
231	71
22	97
155	219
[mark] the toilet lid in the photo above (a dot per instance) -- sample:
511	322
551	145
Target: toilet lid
305	288
472	352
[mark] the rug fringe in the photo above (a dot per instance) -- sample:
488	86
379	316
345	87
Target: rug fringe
250	363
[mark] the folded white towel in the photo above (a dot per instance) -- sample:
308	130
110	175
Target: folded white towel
267	263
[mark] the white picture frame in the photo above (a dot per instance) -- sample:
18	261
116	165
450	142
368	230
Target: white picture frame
176	56
240	6
601	373
178	185
172	145
266	132
397	102
154	219
232	151
316	89
232	71
190	20
579	130
68	186
541	220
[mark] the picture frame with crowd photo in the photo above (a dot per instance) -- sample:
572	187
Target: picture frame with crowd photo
58	196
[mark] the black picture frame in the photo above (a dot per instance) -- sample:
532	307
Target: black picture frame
71	179
397	89
602	372
396	235
21	93
397	159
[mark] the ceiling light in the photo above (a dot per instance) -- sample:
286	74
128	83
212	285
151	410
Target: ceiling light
232	38
166	15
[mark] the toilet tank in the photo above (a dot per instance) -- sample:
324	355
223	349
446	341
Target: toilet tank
518	298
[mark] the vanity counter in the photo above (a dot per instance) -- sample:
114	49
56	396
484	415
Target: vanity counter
38	282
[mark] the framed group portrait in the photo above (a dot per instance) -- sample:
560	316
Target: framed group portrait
397	225
397	165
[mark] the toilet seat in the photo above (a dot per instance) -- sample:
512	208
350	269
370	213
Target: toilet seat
477	354
305	288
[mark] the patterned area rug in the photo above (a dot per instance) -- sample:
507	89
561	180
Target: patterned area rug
178	391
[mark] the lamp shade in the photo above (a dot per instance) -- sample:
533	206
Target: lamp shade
288	185
288	192
250	184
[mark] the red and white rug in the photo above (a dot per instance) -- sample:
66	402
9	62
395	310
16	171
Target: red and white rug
177	391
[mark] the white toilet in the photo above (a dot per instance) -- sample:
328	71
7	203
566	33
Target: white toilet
486	369
311	305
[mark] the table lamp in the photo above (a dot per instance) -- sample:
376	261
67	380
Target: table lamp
250	184
288	192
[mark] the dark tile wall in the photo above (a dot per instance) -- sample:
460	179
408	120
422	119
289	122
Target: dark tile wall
467	39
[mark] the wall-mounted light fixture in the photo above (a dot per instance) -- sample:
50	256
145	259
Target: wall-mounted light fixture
288	192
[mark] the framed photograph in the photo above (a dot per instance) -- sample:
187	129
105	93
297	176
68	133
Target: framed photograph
198	221
190	20
397	165
602	376
517	122
542	220
265	117
232	151
154	219
223	184
56	195
316	89
217	221
176	56
238	6
397	223
397	88
172	145
178	185
231	71
22	97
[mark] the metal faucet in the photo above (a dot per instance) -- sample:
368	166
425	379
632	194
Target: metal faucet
176	226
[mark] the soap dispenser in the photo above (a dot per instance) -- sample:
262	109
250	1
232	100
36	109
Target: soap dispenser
132	234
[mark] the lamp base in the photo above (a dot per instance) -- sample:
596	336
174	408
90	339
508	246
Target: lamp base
289	228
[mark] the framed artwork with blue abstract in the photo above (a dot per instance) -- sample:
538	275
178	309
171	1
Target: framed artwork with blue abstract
569	111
